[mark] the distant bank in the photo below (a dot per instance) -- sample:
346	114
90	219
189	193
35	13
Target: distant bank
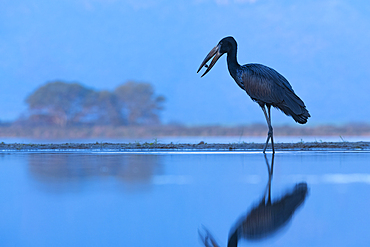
158	131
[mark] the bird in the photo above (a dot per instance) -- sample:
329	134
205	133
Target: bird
263	84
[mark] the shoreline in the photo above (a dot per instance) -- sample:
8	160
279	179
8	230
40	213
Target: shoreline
160	131
158	147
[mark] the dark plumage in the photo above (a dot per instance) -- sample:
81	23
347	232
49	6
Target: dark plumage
263	84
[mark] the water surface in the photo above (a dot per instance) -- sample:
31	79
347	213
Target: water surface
165	199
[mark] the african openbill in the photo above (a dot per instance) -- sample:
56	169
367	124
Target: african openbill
263	84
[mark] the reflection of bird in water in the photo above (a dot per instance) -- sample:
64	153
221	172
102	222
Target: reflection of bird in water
263	84
266	218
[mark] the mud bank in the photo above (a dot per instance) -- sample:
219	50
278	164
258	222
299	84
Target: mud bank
148	147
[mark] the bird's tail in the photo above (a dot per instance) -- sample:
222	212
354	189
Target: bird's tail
299	118
294	106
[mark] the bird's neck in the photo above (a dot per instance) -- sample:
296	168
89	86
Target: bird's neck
231	58
233	66
232	62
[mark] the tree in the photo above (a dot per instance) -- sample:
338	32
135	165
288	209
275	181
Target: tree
102	108
62	104
139	103
58	102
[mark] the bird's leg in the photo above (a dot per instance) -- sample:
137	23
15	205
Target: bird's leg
271	130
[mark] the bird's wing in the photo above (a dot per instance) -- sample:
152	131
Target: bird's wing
266	73
266	85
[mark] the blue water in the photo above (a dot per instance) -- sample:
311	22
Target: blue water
164	199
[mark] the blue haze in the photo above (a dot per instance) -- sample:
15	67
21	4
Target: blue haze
321	47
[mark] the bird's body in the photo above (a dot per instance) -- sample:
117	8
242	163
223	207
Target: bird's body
263	84
267	87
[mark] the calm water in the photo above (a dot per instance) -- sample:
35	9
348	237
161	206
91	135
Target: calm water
167	199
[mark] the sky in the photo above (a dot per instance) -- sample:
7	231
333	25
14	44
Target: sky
321	47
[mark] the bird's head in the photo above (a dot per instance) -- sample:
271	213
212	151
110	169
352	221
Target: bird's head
224	46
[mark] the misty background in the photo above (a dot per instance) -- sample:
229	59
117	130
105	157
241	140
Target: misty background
321	47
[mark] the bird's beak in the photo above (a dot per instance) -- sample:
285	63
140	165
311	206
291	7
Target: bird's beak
214	52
